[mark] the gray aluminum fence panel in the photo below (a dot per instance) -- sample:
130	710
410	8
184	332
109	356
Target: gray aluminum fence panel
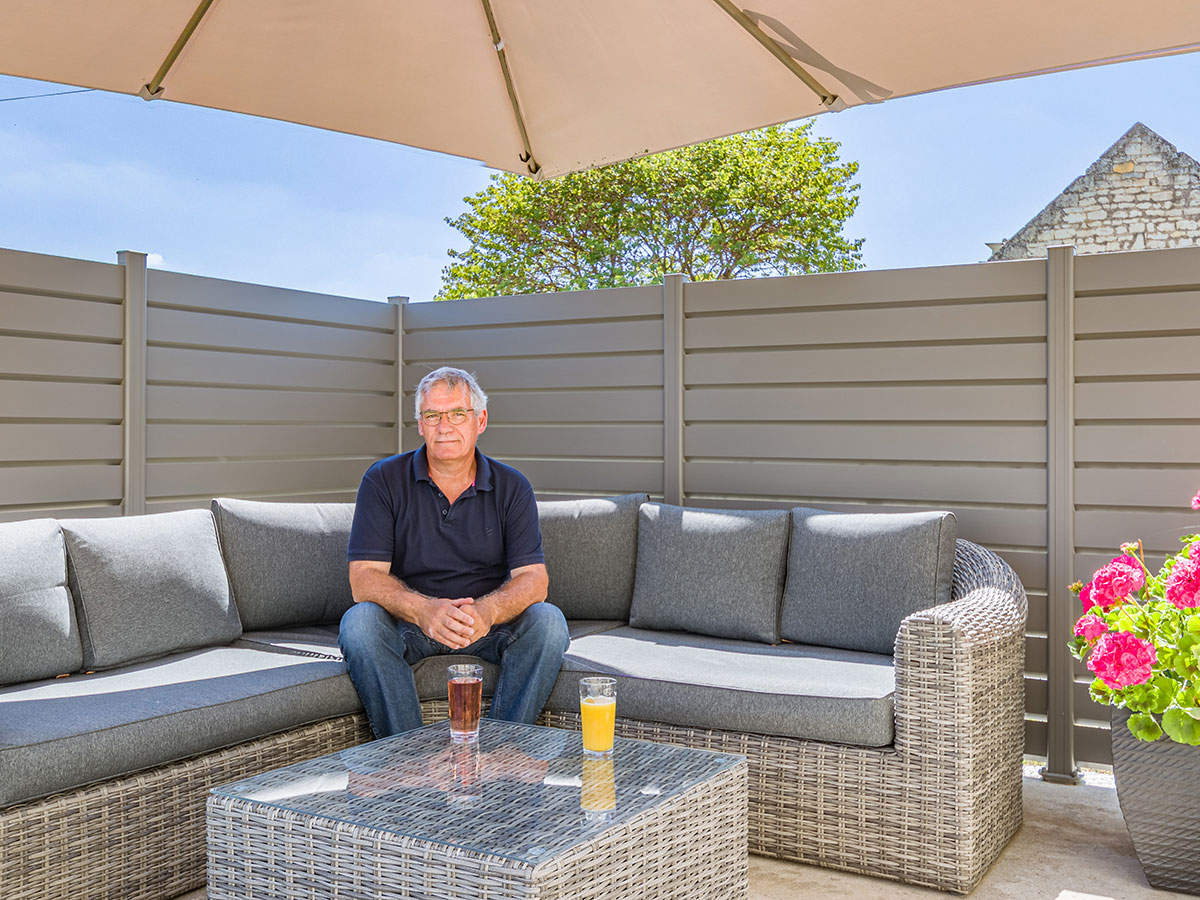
60	387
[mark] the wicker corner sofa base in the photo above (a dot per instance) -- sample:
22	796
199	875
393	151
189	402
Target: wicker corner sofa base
934	809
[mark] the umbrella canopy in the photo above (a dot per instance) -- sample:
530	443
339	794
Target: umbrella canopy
551	86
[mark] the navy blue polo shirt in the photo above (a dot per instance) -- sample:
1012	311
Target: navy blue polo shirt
442	550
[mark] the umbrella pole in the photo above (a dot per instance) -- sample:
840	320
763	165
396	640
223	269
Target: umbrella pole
154	89
498	43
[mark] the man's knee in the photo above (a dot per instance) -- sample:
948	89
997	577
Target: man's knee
546	623
363	625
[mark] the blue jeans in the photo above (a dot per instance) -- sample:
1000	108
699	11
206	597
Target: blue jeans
381	650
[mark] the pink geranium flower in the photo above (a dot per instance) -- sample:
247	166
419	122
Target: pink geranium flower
1183	584
1114	582
1120	659
1090	627
1196	501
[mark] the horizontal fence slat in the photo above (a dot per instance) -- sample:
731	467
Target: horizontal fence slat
1138	312
176	504
217	294
60	400
933	402
929	443
222	478
57	441
612	303
566	440
196	441
636	405
1158	399
975	322
62	511
865	364
202	329
1020	278
1159	531
933	484
541	340
634	370
594	477
49	358
28	485
60	275
1124	357
232	405
178	364
60	316
1145	443
1132	485
1146	269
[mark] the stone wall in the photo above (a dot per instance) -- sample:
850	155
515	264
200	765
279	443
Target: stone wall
1142	194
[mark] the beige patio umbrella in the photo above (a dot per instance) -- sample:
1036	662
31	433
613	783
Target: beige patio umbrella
553	86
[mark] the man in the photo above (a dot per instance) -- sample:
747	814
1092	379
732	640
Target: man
446	558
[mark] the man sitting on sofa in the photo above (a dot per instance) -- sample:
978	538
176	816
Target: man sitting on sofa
446	558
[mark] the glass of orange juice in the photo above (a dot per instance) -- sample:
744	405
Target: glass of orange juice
598	709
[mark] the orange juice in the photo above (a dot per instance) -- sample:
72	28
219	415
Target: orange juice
599	718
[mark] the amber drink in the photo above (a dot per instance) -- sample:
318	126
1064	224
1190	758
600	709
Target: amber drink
598	712
464	690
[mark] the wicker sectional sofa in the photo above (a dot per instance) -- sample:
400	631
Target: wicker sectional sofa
869	667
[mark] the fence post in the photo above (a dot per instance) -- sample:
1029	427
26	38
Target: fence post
673	490
133	466
399	303
1060	509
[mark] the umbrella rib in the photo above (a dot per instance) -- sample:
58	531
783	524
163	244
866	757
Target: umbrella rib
527	156
154	89
828	98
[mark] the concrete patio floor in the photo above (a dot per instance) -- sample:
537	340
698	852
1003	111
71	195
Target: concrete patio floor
1073	846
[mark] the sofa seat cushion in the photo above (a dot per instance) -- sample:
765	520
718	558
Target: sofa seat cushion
710	571
65	733
146	586
853	577
37	618
790	690
591	549
319	641
286	561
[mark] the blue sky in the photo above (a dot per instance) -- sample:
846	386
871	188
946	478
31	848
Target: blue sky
214	193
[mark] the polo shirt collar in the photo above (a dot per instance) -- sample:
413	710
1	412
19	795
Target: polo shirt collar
483	469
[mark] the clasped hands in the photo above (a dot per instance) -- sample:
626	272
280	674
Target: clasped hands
457	623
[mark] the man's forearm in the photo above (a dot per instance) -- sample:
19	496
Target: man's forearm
513	597
389	592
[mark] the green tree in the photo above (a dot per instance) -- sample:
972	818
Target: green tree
768	202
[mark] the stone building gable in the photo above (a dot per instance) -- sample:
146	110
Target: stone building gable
1142	194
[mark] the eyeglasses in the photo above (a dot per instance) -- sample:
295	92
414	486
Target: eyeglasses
433	417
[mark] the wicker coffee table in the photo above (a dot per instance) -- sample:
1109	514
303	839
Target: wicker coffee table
521	814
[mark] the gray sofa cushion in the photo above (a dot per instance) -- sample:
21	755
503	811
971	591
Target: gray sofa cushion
320	641
710	571
286	561
74	731
591	549
852	578
146	586
37	621
795	691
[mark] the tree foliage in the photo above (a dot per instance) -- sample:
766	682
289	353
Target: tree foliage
767	202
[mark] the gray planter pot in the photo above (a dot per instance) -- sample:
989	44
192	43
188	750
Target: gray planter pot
1157	787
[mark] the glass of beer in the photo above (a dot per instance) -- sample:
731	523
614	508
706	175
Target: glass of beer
464	689
598	709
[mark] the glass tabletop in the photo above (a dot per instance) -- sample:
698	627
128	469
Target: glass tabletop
521	792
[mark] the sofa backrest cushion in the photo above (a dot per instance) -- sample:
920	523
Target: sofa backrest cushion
145	586
39	635
286	561
852	578
591	550
710	571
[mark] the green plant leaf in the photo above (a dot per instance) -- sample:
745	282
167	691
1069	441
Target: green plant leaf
1144	727
1182	725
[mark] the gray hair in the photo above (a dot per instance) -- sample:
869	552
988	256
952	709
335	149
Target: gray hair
452	378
